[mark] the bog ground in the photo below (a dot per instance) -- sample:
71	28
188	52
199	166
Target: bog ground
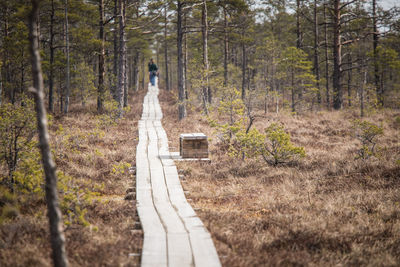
328	209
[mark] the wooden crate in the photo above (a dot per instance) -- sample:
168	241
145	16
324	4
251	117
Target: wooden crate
193	145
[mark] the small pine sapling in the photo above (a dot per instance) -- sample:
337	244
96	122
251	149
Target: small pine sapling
249	143
232	111
278	148
367	133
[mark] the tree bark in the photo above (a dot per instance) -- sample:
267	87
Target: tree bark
204	31
135	79
51	46
349	79
379	89
205	51
122	55
337	57
299	41
316	52
5	59
226	48
55	219
67	86
100	86
328	105
116	52
243	66
166	49
363	70
143	72
126	78
185	57
292	90
181	88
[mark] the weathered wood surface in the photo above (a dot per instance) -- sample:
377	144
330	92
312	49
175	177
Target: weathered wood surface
173	234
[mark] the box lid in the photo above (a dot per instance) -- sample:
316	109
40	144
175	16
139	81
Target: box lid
193	136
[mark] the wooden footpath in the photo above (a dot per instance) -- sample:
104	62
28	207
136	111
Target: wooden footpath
173	234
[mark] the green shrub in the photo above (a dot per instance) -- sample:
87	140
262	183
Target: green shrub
248	144
74	198
274	146
17	128
120	168
111	114
231	109
278	148
29	177
367	133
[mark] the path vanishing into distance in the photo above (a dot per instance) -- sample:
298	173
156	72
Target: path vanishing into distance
173	234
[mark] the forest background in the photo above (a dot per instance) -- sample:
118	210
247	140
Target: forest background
282	88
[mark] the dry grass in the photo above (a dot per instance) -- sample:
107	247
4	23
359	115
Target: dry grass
112	235
328	209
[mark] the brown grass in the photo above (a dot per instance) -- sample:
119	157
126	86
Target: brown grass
328	209
113	234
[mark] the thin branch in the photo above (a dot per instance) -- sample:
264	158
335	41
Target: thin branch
346	4
141	26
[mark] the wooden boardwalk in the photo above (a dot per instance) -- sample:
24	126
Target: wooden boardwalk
173	234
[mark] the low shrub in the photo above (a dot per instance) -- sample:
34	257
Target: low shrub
367	133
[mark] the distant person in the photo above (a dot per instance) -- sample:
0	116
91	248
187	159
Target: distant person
152	72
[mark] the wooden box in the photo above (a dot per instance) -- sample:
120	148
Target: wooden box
193	145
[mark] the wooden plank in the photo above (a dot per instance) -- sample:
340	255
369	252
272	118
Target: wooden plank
173	234
179	249
154	251
203	249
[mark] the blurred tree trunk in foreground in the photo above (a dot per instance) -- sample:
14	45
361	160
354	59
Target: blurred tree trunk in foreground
55	219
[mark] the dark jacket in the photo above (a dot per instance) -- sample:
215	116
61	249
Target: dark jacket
152	67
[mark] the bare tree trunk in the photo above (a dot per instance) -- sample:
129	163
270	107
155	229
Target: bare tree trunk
226	48
316	52
379	89
349	79
363	83
22	70
337	57
67	85
5	56
299	41
122	55
166	50
293	91
205	56
143	72
328	105
135	79
51	74
55	219
265	85
181	88
157	52
185	58
100	88
205	51
243	67
60	94
126	88
116	52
